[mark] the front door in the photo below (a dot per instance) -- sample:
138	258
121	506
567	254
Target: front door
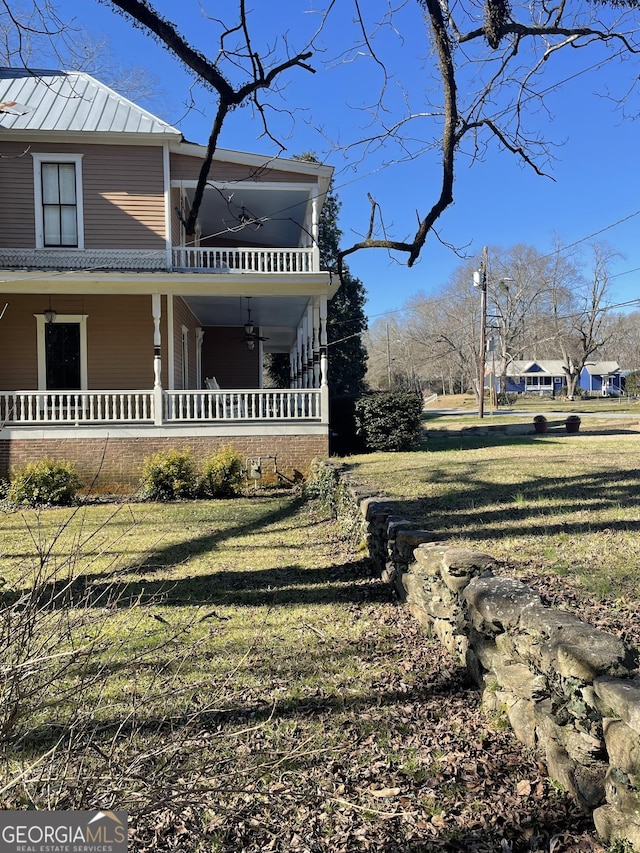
62	356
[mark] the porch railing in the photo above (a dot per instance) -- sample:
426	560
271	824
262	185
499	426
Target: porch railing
290	405
74	407
131	407
245	260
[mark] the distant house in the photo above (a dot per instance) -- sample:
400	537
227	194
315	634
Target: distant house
543	376
123	335
604	378
547	378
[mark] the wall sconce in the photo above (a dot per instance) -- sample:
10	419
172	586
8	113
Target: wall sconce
50	315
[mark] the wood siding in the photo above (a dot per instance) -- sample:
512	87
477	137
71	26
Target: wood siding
182	316
225	356
123	194
119	340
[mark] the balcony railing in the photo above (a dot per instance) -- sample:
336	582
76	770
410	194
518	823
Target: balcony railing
74	408
212	260
245	260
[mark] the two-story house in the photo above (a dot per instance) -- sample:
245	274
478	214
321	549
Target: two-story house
119	335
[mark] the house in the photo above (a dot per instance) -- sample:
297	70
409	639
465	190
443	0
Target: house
547	377
602	378
543	376
119	335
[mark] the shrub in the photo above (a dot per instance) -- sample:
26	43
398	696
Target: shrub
222	474
169	475
389	420
44	482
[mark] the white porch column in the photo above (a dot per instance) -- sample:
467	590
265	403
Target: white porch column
156	310
324	386
316	343
304	376
309	368
299	358
315	230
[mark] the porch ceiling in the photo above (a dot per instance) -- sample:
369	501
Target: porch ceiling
276	317
265	217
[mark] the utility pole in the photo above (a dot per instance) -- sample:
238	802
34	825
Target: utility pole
388	358
480	281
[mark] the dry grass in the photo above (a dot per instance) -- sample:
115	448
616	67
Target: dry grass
230	674
549	507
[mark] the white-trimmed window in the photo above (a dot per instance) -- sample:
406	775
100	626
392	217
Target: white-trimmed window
538	382
185	357
57	184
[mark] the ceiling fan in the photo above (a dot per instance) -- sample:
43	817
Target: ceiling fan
250	334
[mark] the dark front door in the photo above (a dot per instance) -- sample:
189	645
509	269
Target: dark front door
62	348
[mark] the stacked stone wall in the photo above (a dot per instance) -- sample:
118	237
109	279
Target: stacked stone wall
569	690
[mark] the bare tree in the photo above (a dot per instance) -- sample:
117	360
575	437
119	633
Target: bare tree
491	59
580	317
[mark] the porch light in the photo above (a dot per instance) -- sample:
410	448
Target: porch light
50	315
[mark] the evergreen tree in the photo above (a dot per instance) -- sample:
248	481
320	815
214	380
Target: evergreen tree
346	319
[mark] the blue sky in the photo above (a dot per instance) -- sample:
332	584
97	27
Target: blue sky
595	187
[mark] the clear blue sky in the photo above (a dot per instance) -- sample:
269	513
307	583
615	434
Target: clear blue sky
498	201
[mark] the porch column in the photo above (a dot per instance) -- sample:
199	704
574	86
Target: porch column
156	310
316	343
305	347
310	347
299	358
324	364
315	230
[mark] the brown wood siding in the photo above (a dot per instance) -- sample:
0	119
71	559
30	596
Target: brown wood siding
182	316
17	218
119	340
225	356
123	194
184	168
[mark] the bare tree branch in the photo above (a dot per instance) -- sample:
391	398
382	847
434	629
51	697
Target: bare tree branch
229	97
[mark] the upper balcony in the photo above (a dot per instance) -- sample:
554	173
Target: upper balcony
240	259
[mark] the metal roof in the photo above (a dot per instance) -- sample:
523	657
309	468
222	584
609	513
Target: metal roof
72	101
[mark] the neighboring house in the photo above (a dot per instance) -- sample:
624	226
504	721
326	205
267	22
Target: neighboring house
547	377
543	376
119	336
604	378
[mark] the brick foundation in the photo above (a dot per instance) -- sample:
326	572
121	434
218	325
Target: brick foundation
113	464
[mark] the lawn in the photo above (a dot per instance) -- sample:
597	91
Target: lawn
230	674
560	511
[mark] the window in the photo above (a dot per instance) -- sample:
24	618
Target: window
185	357
536	382
58	200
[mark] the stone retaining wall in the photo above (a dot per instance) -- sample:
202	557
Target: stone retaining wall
569	690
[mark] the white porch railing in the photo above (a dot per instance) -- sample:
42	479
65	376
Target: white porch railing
73	407
130	407
290	405
245	260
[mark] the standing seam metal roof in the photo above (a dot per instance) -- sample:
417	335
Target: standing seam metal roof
73	101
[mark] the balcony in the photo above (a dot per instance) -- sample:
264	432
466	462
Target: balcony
280	261
201	407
